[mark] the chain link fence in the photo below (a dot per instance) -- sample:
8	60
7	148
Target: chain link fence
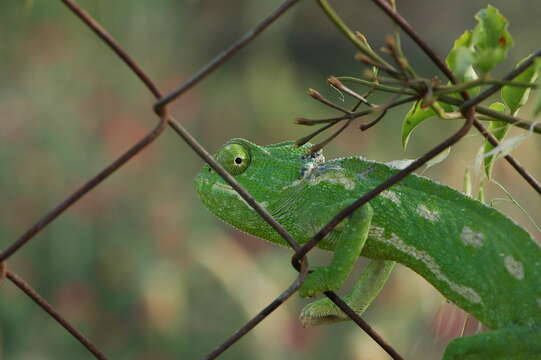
166	120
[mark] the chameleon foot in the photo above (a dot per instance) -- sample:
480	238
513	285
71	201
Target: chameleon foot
321	312
370	283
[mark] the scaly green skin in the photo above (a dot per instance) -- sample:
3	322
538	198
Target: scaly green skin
475	256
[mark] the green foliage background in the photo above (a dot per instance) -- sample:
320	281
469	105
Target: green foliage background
138	265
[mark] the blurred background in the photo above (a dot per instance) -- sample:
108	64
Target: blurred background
138	265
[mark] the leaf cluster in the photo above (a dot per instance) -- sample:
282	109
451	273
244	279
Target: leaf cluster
469	63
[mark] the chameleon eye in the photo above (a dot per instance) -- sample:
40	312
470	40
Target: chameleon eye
235	158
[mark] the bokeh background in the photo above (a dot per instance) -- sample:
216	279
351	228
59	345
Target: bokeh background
139	265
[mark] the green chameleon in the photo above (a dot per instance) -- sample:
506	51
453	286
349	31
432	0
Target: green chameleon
474	255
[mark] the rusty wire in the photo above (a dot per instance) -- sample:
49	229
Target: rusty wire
41	302
298	259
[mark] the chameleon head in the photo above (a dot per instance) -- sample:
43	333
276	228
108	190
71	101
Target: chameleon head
264	171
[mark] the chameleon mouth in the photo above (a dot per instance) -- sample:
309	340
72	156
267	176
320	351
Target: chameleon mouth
201	185
227	190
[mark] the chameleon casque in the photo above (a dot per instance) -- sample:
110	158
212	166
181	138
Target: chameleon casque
474	255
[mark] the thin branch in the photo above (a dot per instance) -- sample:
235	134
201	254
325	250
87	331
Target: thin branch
355	115
338	84
312	122
481	82
468	103
492	114
361	45
408	29
317	96
391	48
496	115
368	125
378	86
398	47
310	136
324	143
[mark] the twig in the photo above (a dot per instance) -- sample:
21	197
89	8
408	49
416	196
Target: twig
324	143
355	115
338	84
443	90
310	136
496	115
408	29
468	103
317	96
377	86
376	60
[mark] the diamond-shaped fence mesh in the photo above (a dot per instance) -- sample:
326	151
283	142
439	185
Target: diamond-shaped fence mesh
165	110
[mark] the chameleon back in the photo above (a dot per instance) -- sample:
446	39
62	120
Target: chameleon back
476	256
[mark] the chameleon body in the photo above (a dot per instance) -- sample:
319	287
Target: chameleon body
474	255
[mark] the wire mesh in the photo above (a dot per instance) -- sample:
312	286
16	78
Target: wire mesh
299	260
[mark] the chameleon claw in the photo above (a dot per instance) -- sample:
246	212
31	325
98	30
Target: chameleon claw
321	312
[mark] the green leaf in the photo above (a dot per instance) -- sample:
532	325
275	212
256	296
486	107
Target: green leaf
515	97
414	117
498	129
537	105
490	39
460	60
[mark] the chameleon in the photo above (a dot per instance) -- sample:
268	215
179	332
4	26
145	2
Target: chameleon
475	256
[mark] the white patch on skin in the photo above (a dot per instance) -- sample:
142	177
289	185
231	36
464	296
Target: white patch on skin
225	188
391	195
334	177
430	215
294	183
467	293
308	168
471	237
515	268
